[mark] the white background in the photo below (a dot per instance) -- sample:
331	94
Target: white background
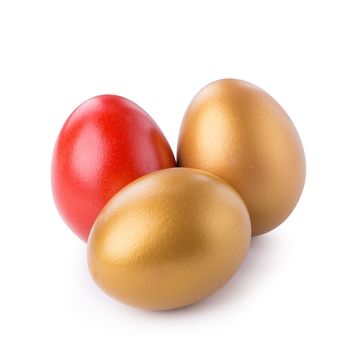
292	291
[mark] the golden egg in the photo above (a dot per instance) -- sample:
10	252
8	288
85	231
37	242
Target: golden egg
169	239
235	130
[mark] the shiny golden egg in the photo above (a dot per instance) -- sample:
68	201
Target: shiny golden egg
237	131
169	239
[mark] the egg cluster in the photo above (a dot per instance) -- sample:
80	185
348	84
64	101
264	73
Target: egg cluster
163	235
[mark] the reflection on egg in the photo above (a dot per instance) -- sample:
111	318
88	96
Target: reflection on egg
235	130
169	239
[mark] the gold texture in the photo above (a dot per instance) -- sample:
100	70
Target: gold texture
169	239
235	130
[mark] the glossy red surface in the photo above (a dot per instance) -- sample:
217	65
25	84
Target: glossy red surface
107	142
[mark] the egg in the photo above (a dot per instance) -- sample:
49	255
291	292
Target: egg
106	143
237	131
169	239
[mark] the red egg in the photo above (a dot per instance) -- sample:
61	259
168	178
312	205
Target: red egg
107	142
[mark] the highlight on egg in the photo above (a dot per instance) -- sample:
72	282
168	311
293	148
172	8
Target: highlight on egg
169	239
237	131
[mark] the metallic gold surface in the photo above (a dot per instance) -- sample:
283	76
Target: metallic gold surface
169	239
235	130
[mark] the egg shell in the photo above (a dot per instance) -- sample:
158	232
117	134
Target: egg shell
237	131
106	143
169	239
